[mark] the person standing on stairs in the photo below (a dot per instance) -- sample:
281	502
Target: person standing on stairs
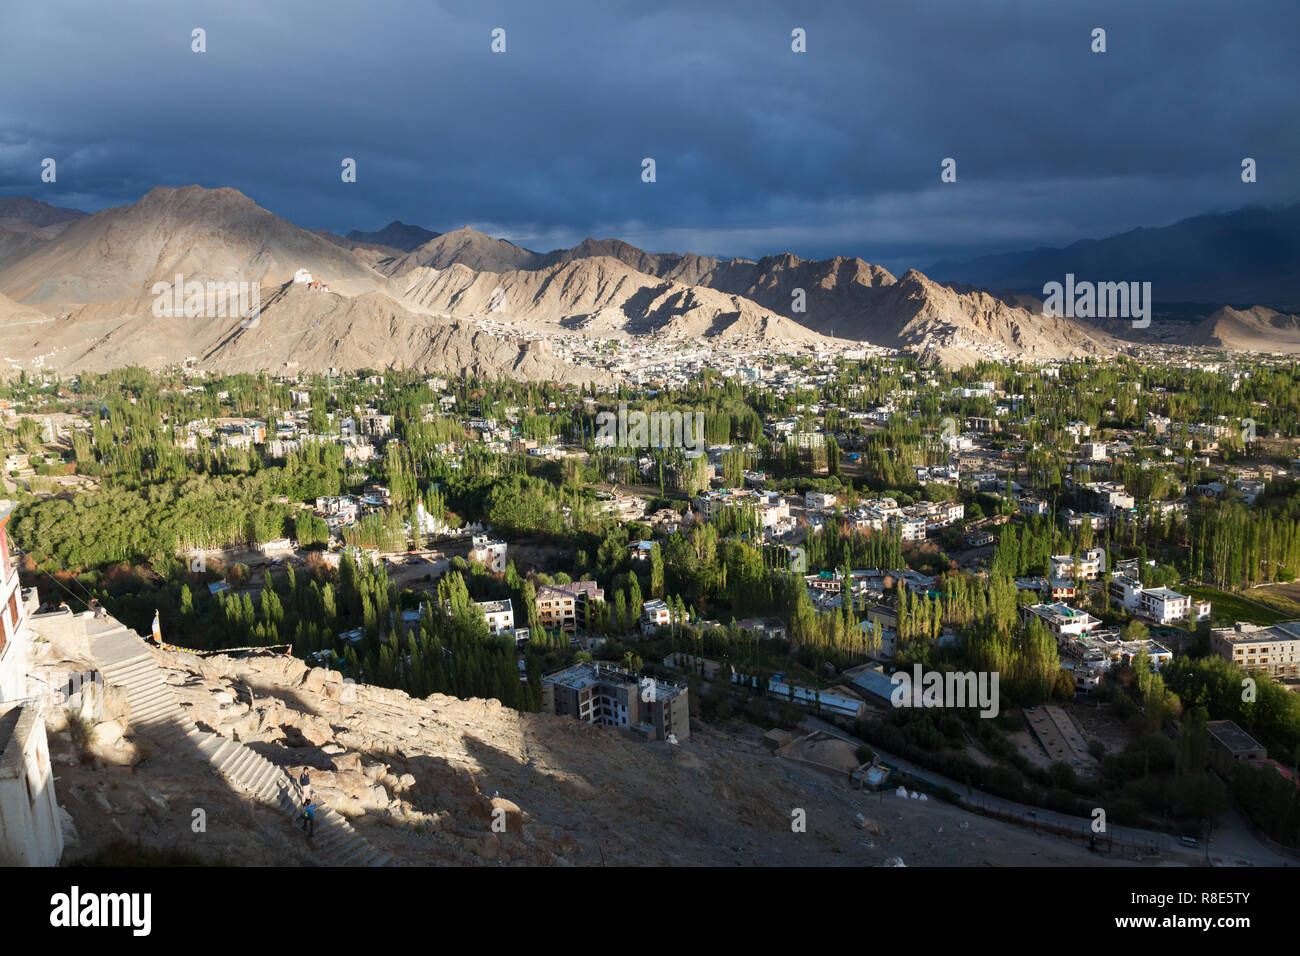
309	817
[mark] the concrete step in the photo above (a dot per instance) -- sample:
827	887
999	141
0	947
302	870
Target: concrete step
148	698
222	753
238	759
261	777
153	707
368	857
351	843
126	662
127	671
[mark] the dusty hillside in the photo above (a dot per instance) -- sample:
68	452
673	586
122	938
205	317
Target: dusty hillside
321	330
1250	330
956	328
11	310
596	294
19	239
203	234
419	779
853	299
598	283
298	328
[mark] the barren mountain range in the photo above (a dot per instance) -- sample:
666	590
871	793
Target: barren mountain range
78	293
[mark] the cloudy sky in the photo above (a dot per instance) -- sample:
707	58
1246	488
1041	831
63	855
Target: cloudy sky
758	149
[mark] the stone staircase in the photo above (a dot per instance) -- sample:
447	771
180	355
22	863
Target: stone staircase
126	661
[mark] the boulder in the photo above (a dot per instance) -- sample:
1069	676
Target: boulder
104	736
508	812
346	762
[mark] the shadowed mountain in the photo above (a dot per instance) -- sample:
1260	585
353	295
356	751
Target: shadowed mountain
34	212
1247	256
396	235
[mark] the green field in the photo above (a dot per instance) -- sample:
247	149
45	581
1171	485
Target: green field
1259	608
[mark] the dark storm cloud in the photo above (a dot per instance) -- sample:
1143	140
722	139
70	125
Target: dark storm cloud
758	149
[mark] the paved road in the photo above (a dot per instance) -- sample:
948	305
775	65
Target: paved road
1232	844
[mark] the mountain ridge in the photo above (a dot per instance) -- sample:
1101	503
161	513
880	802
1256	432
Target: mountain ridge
598	287
1247	255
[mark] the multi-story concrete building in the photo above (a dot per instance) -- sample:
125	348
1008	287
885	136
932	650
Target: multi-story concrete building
1159	604
1272	649
819	500
1071	520
1033	506
1250	490
610	696
769	506
30	830
1111	497
1062	621
1125	592
500	615
1163	605
1089	565
375	425
910	528
566	606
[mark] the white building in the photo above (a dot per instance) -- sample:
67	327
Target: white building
1126	592
770	507
31	833
500	615
1112	497
654	615
1062	621
1249	489
1033	506
1072	519
818	500
488	552
1090	564
909	528
821	700
14	635
1163	605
